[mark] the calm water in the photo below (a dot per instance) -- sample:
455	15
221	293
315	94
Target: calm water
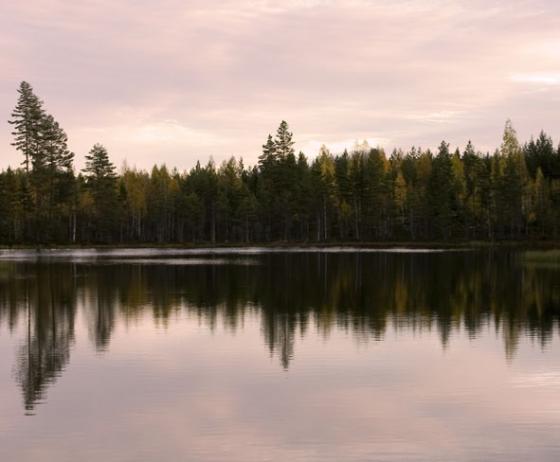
299	356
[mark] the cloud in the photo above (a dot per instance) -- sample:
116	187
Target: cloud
226	72
537	79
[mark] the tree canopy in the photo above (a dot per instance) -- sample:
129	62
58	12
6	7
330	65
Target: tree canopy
363	195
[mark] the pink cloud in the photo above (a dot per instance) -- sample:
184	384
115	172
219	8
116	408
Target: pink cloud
405	72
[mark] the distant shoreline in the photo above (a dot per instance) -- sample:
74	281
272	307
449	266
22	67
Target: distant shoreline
513	244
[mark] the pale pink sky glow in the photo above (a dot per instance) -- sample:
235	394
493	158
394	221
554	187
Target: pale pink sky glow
175	81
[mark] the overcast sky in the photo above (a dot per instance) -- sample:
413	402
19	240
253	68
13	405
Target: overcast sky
179	80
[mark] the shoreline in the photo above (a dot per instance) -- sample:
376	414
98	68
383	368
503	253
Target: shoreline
520	245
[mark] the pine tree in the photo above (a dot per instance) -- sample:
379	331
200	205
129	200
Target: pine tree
27	119
47	162
58	157
363	195
98	167
56	174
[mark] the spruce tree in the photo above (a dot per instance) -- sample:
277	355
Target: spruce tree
266	186
441	192
267	159
101	182
283	142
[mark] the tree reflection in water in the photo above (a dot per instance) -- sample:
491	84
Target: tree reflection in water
50	308
360	293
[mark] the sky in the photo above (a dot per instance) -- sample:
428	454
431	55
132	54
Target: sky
176	81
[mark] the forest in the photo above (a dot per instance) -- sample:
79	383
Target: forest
364	195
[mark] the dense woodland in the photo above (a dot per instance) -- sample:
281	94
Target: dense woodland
363	195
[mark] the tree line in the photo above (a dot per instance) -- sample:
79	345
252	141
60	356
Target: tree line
363	195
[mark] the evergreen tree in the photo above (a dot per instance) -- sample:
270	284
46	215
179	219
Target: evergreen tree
344	195
441	192
374	193
101	183
48	163
99	170
362	195
268	158
283	143
27	119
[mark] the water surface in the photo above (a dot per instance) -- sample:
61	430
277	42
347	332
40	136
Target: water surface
251	355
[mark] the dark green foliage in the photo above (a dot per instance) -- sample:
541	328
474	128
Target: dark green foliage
47	187
541	154
441	194
361	195
27	119
102	196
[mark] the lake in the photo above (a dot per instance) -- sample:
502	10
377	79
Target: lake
259	355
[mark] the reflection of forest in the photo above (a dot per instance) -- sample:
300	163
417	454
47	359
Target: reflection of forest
360	293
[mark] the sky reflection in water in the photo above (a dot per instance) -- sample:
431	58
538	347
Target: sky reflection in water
296	356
